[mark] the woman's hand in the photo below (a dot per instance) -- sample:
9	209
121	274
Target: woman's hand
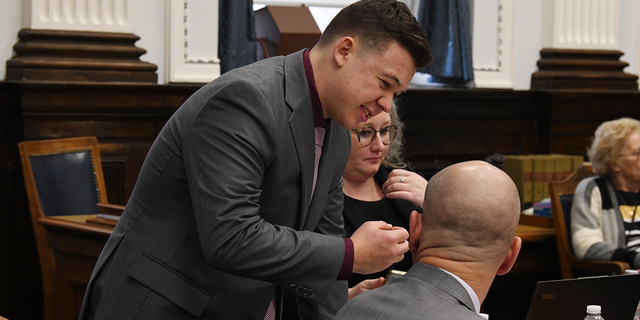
406	185
365	285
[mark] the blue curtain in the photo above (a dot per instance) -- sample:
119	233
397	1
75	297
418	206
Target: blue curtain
447	24
236	34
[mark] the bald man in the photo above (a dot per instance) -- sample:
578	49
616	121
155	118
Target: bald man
464	238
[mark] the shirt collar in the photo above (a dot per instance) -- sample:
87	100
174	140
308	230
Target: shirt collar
472	294
318	115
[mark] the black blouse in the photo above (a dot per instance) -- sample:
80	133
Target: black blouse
395	212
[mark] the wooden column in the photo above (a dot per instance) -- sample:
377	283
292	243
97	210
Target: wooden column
78	56
582	69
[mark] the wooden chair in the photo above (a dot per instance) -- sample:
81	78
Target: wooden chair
62	177
561	193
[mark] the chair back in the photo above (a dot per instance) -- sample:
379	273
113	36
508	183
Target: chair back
65	182
566	201
561	193
62	177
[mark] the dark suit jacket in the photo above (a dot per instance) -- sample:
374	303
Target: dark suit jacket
221	216
425	292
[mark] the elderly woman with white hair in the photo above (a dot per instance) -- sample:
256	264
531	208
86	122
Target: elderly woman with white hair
605	223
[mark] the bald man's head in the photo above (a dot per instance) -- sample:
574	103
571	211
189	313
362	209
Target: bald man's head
473	203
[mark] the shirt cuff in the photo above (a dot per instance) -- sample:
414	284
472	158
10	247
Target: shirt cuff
347	262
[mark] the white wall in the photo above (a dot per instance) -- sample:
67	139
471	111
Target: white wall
527	41
149	25
10	24
630	34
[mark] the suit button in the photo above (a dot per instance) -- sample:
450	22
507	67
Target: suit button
292	287
312	293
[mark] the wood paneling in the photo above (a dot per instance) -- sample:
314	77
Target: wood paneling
125	118
78	245
444	126
448	126
575	115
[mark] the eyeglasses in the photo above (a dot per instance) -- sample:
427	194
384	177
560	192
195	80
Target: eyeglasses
366	135
635	154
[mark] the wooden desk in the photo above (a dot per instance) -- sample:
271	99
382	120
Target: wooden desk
535	234
78	244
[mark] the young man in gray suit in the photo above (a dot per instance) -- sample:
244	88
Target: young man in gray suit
236	206
464	238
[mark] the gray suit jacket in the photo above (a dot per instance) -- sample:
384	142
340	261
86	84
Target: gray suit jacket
425	292
221	217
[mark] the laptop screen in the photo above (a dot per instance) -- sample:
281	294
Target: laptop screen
568	299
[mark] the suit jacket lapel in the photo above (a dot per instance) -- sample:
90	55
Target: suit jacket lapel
298	99
302	129
301	124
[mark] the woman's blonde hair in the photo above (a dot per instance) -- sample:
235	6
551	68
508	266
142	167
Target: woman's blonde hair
394	158
607	142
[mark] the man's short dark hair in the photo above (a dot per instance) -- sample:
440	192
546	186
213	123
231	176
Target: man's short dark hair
376	23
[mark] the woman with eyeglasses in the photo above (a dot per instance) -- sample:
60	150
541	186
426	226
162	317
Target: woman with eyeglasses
377	185
605	223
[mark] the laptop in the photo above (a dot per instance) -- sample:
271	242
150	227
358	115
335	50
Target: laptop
568	299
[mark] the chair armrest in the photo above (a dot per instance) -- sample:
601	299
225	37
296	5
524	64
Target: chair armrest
616	267
112	209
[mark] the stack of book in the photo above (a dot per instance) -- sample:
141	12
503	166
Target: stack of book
532	173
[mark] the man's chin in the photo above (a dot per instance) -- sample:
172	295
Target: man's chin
348	124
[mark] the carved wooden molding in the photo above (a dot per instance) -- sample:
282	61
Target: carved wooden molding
78	56
582	69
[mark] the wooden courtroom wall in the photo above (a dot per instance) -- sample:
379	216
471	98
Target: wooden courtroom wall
448	126
124	117
444	126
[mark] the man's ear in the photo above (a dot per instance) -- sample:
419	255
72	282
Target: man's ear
511	257
415	231
343	49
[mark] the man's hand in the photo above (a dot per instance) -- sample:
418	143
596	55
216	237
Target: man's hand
377	245
365	285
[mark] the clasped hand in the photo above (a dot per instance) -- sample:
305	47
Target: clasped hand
406	185
377	245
